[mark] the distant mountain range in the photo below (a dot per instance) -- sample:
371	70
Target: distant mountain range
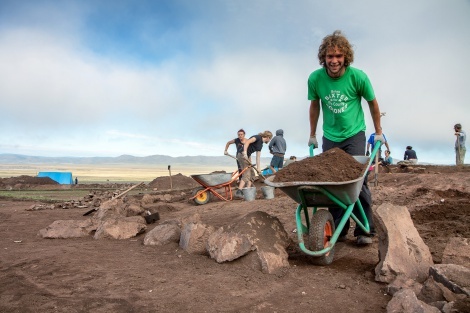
123	159
130	159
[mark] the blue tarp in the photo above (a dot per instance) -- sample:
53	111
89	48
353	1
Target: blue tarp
64	178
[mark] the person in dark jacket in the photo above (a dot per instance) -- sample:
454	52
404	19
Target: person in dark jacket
410	155
277	147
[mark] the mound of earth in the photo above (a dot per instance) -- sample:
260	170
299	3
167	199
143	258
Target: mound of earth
334	165
178	181
27	180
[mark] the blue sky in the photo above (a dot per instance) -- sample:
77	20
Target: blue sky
106	78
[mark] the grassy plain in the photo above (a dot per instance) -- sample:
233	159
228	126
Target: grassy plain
93	174
53	195
118	173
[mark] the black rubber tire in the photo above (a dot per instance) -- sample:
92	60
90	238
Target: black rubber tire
322	227
202	198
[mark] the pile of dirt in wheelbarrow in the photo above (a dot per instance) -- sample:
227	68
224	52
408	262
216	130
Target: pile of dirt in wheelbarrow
334	165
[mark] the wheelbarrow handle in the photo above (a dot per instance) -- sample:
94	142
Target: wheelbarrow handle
249	162
373	154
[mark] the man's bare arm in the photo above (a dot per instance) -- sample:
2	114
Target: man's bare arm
314	114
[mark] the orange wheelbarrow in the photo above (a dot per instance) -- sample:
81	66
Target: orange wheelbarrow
211	183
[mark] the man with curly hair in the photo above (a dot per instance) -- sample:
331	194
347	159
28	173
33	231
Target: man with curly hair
337	89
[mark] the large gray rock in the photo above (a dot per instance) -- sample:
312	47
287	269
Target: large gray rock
256	231
120	227
62	229
431	292
401	250
163	234
194	237
458	306
403	282
405	301
133	209
457	251
118	207
191	219
110	209
455	277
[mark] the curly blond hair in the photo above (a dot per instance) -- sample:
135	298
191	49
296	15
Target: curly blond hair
266	133
339	41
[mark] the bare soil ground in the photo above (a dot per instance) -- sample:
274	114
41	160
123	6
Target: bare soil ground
87	275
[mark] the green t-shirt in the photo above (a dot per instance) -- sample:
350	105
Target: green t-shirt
340	99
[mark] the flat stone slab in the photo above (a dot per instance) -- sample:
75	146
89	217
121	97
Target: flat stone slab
401	249
453	276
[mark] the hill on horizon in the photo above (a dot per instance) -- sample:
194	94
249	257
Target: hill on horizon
7	158
123	159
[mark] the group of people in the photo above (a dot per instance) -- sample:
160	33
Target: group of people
245	147
370	146
410	155
337	89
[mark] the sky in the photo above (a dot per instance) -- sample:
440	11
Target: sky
181	77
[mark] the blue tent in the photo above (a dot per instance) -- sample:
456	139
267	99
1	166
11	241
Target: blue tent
64	178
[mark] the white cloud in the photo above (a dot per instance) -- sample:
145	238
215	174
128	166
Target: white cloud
220	66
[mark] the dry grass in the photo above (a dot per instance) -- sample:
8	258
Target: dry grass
118	173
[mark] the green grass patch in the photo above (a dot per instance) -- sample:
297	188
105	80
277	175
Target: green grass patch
60	195
44	195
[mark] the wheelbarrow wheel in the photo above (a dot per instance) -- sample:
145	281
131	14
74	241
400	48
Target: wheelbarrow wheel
203	197
322	227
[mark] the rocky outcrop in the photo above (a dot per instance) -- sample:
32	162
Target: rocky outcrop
163	234
120	227
418	285
62	229
405	301
401	249
194	237
455	277
256	231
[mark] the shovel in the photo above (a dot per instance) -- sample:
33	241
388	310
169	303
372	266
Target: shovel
375	155
259	173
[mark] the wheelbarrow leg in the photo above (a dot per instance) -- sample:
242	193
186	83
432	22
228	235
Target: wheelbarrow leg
342	223
301	228
364	226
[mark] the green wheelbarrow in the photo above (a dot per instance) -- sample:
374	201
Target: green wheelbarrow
321	230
